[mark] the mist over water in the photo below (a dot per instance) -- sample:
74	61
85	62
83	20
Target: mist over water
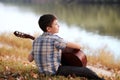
91	41
12	18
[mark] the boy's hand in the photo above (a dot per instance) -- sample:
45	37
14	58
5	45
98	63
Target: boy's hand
30	58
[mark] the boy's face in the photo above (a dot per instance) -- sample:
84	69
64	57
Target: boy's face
54	27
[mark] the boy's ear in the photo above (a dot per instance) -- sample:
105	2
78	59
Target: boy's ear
48	29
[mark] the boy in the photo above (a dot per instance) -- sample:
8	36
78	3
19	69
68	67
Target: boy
46	51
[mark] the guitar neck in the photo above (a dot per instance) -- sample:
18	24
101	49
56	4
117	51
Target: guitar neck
23	35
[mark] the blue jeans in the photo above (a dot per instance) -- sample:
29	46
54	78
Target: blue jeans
78	71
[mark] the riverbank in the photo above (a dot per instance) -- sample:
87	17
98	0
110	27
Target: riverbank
13	60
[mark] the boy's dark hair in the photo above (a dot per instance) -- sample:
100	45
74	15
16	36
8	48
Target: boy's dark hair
46	20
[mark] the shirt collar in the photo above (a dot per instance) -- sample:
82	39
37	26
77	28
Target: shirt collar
47	33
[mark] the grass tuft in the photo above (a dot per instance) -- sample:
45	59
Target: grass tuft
15	66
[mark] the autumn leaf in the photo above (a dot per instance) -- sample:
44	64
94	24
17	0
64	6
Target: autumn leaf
34	75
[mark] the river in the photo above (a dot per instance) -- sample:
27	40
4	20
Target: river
14	18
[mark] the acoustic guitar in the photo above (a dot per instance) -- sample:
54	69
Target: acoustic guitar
70	57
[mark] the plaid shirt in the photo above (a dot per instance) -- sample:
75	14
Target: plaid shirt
46	50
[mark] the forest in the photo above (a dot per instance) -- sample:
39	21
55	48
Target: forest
67	1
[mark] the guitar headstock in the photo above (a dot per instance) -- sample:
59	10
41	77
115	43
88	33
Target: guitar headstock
23	35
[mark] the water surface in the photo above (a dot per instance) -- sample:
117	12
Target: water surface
14	17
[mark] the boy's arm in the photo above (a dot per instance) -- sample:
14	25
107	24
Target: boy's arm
73	45
30	58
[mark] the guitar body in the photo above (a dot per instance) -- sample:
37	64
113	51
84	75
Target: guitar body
73	57
70	57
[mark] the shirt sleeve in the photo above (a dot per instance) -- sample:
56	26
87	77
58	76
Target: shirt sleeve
60	43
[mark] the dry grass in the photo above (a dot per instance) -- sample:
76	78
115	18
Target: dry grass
13	61
11	40
106	59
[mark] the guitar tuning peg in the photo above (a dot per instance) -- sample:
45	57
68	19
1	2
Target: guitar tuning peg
15	33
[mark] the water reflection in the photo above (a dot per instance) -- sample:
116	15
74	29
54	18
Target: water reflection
91	41
13	18
25	19
102	19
